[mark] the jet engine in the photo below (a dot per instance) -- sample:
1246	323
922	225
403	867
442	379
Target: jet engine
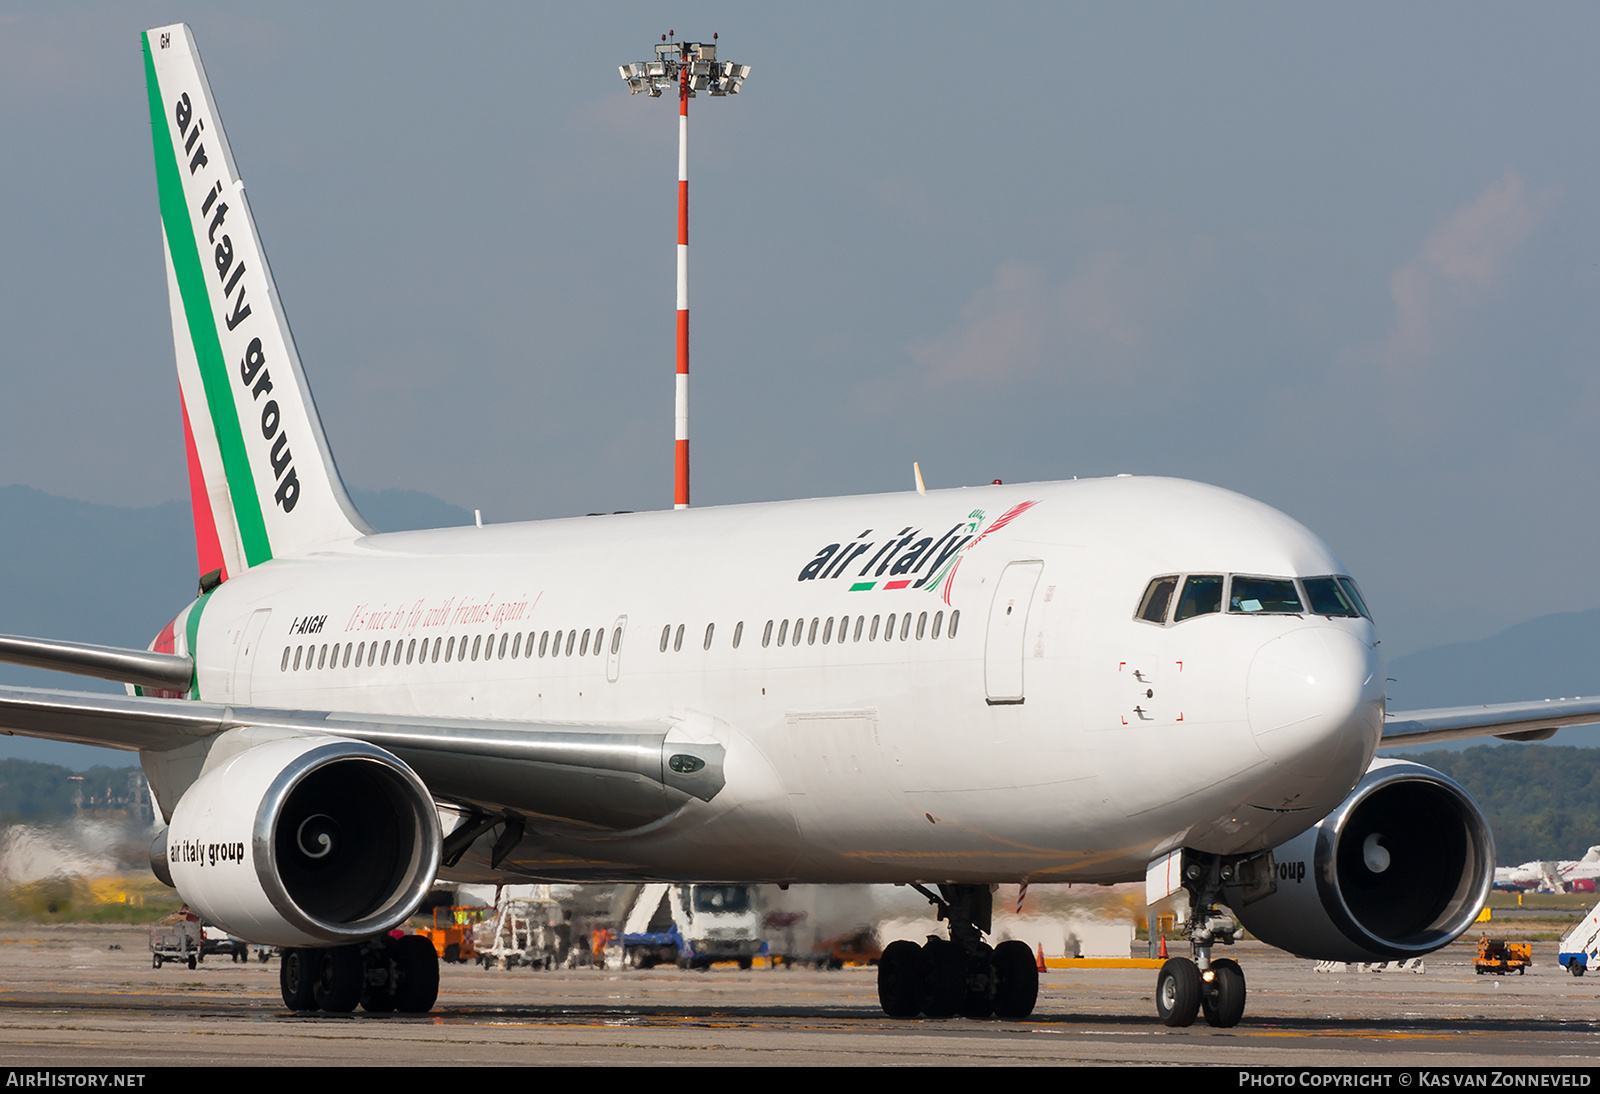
304	841
1399	869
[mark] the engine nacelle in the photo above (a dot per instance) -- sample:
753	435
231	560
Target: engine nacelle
1399	869
305	841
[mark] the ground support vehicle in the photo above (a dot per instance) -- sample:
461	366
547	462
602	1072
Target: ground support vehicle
1581	945
520	931
178	937
452	932
1497	956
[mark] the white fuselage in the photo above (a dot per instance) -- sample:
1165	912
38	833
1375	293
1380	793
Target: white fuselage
882	758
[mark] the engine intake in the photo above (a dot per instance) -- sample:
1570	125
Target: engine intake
305	841
1399	869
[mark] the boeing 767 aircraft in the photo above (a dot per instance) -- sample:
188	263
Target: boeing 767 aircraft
1008	684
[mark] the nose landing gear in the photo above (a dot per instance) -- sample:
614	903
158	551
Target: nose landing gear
963	975
1186	988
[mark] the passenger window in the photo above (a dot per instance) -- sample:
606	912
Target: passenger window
827	631
766	636
783	630
384	659
938	621
543	639
572	638
285	666
516	646
437	642
811	635
922	625
1157	595
1263	595
706	645
738	633
411	649
888	628
872	635
666	636
477	642
1202	595
616	640
860	621
677	642
905	627
955	620
583	647
450	649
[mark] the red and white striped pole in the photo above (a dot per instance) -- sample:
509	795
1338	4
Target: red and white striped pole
680	497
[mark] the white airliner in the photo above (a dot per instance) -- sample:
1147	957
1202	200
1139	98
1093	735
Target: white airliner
1092	681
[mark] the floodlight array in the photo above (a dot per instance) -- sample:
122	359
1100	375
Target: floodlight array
676	60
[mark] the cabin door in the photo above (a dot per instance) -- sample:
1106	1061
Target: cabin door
245	658
1008	625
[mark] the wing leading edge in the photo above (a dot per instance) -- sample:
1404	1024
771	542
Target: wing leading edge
1535	721
611	776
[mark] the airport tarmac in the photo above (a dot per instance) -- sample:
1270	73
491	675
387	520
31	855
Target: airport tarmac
67	998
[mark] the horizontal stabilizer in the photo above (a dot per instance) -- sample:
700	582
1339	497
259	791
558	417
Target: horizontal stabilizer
142	668
1535	721
613	776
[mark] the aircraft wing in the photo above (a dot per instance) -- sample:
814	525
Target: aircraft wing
1535	721
611	776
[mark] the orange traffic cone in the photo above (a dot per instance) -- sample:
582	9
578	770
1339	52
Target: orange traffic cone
1161	954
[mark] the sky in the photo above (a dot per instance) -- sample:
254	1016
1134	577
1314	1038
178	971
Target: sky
1341	258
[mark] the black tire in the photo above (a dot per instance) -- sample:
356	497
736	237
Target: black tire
1178	992
942	979
379	998
745	963
979	1001
897	979
417	968
1572	966
295	979
1223	1004
155	961
1016	980
452	954
340	979
194	962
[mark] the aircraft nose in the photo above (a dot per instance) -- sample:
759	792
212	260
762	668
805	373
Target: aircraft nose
1315	700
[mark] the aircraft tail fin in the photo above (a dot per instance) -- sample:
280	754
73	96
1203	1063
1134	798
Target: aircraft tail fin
261	476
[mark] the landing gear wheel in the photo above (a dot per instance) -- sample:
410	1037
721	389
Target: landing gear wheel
897	979
979	1000
295	979
339	980
1223	1003
942	979
417	967
1178	992
1016	980
378	998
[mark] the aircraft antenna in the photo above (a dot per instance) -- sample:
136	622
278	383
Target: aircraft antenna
690	67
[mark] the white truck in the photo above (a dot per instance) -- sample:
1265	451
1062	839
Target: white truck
1581	945
692	925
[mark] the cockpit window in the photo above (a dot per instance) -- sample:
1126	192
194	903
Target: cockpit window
1349	586
1202	595
1265	596
1153	608
1327	598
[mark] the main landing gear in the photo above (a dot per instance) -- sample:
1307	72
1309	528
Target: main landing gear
1215	988
962	975
381	974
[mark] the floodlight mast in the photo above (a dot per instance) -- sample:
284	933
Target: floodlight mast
692	67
